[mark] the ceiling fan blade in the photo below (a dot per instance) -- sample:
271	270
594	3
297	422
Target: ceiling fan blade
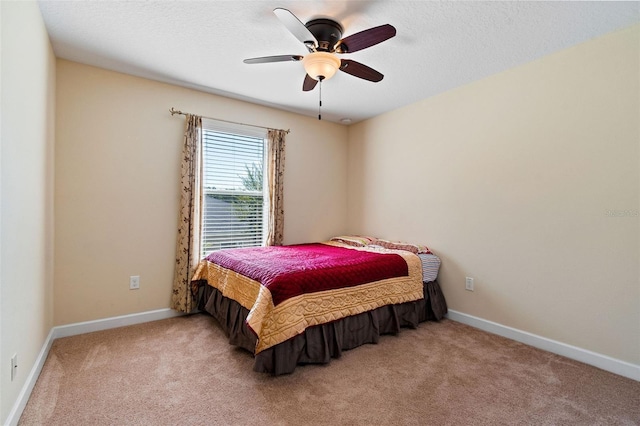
297	28
309	83
366	38
359	70
267	59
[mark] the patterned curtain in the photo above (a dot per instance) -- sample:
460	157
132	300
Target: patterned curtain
275	172
188	244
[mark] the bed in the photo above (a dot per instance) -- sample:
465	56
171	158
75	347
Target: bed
302	304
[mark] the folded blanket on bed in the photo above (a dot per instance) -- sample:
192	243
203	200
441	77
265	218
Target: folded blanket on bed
332	292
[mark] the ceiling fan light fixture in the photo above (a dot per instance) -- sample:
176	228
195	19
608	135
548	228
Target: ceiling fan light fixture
321	64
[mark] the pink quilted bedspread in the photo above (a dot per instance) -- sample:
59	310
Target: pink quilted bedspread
289	271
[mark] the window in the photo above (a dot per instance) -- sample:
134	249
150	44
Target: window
233	187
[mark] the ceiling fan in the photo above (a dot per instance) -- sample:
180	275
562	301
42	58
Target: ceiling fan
322	37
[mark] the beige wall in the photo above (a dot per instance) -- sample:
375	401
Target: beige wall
26	176
117	176
509	180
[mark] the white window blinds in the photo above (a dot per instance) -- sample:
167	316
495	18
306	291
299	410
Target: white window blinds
233	189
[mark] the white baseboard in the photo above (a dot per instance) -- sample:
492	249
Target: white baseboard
113	322
25	392
72	330
604	362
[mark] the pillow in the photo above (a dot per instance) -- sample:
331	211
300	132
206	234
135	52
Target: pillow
354	240
396	245
430	266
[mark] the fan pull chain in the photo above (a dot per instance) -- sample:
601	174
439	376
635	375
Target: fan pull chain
320	78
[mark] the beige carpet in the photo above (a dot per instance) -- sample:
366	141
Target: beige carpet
182	371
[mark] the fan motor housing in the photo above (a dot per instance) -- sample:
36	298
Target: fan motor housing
326	31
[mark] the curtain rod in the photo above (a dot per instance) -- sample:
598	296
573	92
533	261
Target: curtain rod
175	111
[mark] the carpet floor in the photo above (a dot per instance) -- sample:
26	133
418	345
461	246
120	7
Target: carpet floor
182	371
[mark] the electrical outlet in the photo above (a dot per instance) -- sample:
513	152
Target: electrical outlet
134	282
468	284
14	366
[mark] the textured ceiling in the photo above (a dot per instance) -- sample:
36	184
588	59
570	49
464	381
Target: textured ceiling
439	45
